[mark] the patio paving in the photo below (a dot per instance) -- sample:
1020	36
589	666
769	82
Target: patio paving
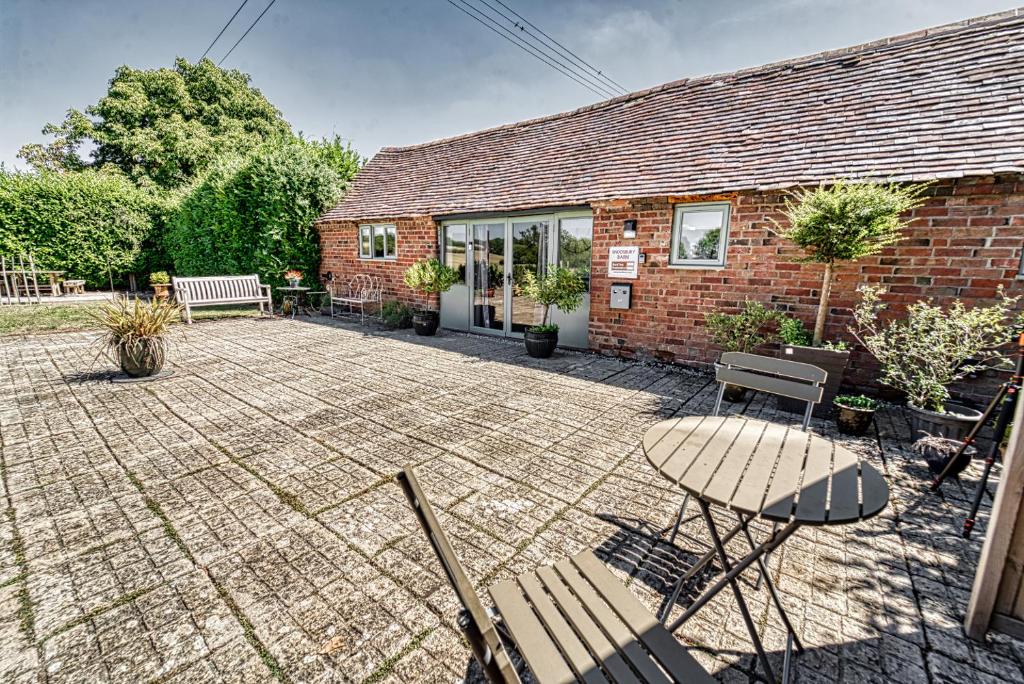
237	521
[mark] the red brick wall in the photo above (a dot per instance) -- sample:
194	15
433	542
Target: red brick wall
963	242
416	238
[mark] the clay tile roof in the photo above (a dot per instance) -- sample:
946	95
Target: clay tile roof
943	102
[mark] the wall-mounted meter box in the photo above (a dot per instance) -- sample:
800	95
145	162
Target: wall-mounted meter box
620	295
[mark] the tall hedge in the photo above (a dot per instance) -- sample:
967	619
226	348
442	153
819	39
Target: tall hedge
85	223
255	215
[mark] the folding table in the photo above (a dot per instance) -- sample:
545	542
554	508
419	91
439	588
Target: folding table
760	470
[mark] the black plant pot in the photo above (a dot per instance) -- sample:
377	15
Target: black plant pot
954	423
142	360
425	322
853	421
734	393
540	345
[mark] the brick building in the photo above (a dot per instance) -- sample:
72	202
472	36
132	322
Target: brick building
692	173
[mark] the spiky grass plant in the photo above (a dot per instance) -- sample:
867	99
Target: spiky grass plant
136	328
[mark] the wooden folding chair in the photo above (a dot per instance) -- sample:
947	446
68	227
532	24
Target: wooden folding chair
571	622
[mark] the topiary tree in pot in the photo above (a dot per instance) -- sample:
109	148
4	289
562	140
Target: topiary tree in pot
931	348
837	223
560	287
743	331
429	277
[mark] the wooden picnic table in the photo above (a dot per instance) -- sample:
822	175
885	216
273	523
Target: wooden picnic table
19	276
763	470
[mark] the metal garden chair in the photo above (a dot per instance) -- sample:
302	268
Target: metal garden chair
363	289
571	622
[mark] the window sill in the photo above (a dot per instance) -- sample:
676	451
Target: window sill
697	267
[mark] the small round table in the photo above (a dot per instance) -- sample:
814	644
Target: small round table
295	294
760	470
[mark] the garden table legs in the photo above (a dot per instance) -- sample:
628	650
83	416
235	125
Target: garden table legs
732	571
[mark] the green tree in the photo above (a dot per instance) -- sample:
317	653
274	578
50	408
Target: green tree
256	214
164	127
845	222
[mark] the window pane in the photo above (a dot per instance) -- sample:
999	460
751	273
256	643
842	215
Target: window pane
699	235
364	241
378	242
390	241
455	250
575	245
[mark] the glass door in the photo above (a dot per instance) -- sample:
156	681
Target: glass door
575	245
488	260
530	249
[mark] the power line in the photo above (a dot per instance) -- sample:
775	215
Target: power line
566	50
523	45
224	29
251	26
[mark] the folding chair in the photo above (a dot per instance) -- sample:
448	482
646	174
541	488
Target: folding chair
571	622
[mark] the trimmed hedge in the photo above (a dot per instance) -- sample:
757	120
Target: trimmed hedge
255	215
88	224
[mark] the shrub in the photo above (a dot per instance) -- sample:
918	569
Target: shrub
856	402
743	331
430	276
256	215
932	348
396	314
89	224
138	327
793	331
560	287
845	222
159	278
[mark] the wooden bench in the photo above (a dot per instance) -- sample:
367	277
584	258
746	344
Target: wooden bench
570	622
220	290
74	287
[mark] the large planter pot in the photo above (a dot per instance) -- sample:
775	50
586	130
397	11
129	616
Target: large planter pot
853	421
142	360
832	362
954	423
162	291
540	345
425	322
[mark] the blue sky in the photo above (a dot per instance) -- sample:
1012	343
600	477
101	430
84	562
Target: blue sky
393	72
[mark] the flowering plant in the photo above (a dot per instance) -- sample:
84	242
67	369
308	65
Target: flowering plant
293	274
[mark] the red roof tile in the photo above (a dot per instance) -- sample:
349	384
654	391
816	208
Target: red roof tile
945	102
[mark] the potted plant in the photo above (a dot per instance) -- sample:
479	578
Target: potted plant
929	349
937	451
429	277
560	287
135	333
855	413
842	222
743	331
293	277
161	284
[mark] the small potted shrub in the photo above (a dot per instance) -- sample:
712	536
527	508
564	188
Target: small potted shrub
429	277
135	333
396	315
560	287
930	348
855	413
741	332
833	224
161	284
293	277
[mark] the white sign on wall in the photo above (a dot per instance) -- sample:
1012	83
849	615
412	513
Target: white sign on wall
623	262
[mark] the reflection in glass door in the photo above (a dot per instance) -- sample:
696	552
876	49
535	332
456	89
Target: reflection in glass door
529	255
489	276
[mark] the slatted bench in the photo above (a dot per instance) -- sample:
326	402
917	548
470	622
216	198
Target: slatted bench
220	290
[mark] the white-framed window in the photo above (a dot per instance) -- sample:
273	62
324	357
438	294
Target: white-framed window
700	234
378	242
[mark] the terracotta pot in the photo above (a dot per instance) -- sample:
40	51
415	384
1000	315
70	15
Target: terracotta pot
144	359
161	291
540	345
